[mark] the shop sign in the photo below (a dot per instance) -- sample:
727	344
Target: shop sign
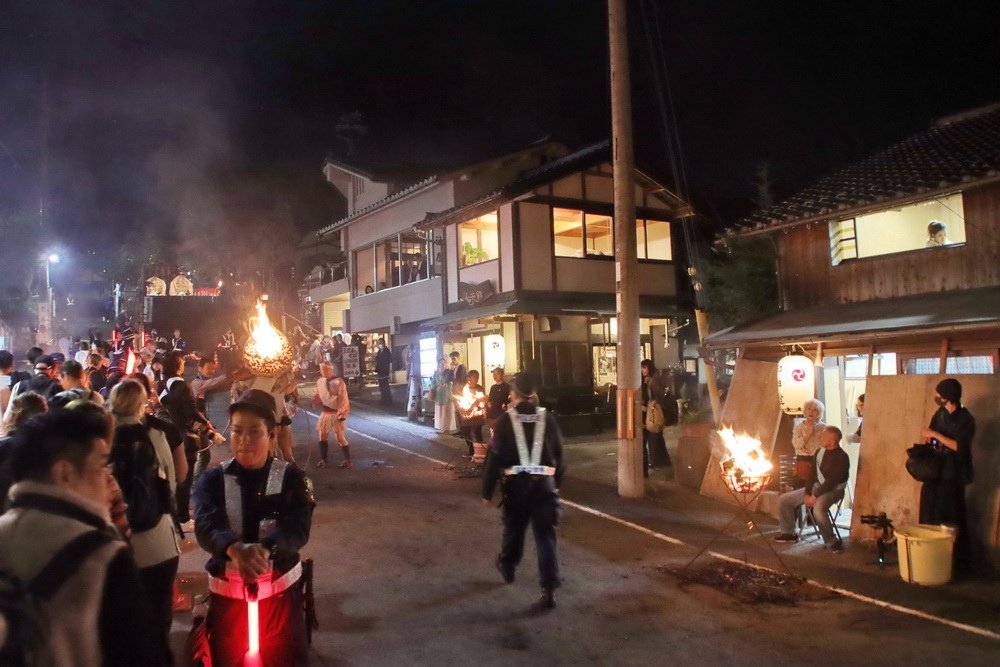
350	359
796	383
475	293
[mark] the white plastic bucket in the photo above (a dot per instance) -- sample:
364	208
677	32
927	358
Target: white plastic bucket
925	553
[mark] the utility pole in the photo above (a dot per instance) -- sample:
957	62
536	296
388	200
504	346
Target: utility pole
630	464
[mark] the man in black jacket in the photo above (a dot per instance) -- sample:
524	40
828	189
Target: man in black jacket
526	453
835	468
383	368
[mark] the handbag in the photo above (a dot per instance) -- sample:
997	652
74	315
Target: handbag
654	417
925	461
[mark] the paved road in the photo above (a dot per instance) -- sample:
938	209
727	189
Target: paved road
404	553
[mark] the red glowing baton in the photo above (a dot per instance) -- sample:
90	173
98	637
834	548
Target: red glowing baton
252	657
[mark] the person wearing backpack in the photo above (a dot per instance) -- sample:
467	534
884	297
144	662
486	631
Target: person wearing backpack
71	380
84	605
144	468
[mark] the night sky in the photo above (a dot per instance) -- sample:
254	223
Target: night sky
170	117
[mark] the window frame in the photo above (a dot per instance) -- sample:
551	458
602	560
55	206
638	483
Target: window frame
639	217
853	220
396	238
460	246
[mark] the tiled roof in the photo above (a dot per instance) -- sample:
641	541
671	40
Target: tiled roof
399	194
955	151
906	315
586	157
525	182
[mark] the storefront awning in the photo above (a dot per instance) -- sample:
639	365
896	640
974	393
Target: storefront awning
561	303
935	313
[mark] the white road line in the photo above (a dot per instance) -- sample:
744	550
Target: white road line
964	627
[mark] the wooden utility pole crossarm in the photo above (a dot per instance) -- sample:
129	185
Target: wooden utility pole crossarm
630	463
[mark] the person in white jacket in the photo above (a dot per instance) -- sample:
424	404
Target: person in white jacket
331	398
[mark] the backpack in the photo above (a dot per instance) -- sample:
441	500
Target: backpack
22	603
144	483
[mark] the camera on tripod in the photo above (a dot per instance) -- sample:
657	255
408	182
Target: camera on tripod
886	539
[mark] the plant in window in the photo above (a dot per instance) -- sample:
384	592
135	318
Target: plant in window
473	255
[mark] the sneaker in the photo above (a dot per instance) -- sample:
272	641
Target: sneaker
508	575
321	463
787	537
837	547
346	464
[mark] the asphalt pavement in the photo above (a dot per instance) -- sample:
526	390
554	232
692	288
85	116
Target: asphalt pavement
404	574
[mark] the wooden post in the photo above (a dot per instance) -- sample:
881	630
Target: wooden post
701	319
630	464
871	360
943	359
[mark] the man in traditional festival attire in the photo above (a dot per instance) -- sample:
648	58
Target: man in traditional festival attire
331	398
526	454
253	514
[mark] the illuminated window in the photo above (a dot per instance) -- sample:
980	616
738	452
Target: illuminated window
397	260
579	234
413	257
978	365
567	229
928	224
653	239
478	240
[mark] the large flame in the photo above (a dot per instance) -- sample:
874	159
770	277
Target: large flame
745	466
267	351
467	398
266	337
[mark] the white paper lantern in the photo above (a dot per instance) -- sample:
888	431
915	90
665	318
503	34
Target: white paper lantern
796	383
495	352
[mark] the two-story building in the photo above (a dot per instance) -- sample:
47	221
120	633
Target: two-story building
889	278
510	261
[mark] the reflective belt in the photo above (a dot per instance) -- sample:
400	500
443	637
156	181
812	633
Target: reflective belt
529	462
234	494
232	585
547	471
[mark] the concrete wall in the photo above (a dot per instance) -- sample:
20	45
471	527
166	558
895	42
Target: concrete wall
412	303
399	216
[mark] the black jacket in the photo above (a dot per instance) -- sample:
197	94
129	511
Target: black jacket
41	384
503	450
836	468
961	427
292	509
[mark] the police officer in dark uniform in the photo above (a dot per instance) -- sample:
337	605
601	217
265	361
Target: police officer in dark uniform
526	456
253	514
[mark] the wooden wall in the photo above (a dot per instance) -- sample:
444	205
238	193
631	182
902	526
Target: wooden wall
897	408
752	407
808	279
